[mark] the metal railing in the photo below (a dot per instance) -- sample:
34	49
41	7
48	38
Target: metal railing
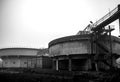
108	15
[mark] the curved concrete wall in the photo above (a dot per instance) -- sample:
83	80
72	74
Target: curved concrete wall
18	51
75	47
80	45
70	45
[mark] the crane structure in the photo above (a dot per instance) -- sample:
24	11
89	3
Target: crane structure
98	31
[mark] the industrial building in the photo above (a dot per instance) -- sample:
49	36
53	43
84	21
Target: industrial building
94	48
75	53
92	55
23	58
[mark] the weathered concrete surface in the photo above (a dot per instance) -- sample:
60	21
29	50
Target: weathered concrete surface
82	45
77	47
18	51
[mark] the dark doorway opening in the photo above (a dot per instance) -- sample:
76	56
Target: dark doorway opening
63	64
79	64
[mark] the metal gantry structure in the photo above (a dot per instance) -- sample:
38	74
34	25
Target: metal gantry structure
98	32
105	20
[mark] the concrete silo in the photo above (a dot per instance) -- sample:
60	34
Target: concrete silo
77	52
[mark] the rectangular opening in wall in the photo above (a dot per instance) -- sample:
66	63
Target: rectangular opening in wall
63	64
79	64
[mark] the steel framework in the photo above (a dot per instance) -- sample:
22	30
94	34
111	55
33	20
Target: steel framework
98	32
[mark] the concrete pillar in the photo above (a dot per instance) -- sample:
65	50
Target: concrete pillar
70	65
57	68
96	65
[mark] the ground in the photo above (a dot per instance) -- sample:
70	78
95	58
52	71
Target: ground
28	75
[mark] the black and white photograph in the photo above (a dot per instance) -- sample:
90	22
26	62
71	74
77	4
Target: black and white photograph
60	40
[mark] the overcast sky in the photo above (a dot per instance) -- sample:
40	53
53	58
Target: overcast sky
34	23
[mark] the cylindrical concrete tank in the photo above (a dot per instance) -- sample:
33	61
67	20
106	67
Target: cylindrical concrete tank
75	52
81	44
77	44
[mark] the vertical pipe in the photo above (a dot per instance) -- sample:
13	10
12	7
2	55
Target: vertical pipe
92	47
110	42
119	24
119	17
91	43
96	48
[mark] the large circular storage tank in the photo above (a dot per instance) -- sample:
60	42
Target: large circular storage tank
81	44
74	53
76	44
18	51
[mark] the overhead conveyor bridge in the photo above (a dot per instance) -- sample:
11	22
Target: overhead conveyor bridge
105	20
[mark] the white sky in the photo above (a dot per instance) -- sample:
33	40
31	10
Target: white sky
34	23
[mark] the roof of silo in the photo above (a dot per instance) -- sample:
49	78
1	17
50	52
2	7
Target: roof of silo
69	39
79	38
18	51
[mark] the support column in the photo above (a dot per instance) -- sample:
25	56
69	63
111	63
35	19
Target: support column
96	53
70	65
119	24
119	17
57	68
96	66
110	42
